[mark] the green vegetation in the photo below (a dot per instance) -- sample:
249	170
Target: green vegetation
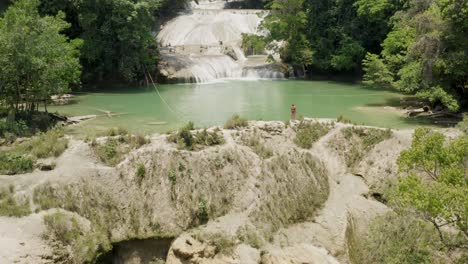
45	63
203	215
254	141
308	133
248	235
11	164
236	122
360	140
433	182
62	227
112	150
429	200
141	172
395	239
10	206
95	205
253	44
44	145
422	53
185	139
288	22
463	125
343	119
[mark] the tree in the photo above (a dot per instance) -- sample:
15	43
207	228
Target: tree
118	39
287	23
36	60
434	184
376	71
426	49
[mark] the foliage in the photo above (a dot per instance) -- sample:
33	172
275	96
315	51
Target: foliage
112	150
463	125
253	44
236	122
37	61
141	172
185	139
397	239
11	164
224	243
343	119
203	215
308	133
253	140
62	227
433	182
422	53
118	38
287	22
10	206
376	71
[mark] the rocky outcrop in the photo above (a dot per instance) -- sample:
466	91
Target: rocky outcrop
257	198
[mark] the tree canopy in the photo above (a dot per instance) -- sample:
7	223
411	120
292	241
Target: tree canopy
37	61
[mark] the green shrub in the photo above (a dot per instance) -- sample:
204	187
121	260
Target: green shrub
343	119
186	140
308	133
114	149
397	239
11	164
44	145
112	132
141	172
236	122
45	198
62	227
11	207
203	215
463	125
208	138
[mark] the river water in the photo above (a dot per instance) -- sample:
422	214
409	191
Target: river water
143	110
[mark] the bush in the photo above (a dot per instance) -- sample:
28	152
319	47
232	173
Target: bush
208	138
308	133
397	239
11	164
11	207
463	125
235	122
112	151
203	215
185	139
343	119
112	132
44	145
141	172
62	227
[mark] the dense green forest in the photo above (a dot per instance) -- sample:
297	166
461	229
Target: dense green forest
415	46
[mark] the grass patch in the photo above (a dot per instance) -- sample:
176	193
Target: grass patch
249	236
113	149
235	122
10	206
185	139
45	145
140	172
308	133
343	119
364	140
62	227
253	140
11	164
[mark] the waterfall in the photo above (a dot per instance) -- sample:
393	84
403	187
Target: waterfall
204	44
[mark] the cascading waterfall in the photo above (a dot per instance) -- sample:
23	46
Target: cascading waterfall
204	44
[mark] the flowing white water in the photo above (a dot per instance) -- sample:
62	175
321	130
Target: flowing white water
204	44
